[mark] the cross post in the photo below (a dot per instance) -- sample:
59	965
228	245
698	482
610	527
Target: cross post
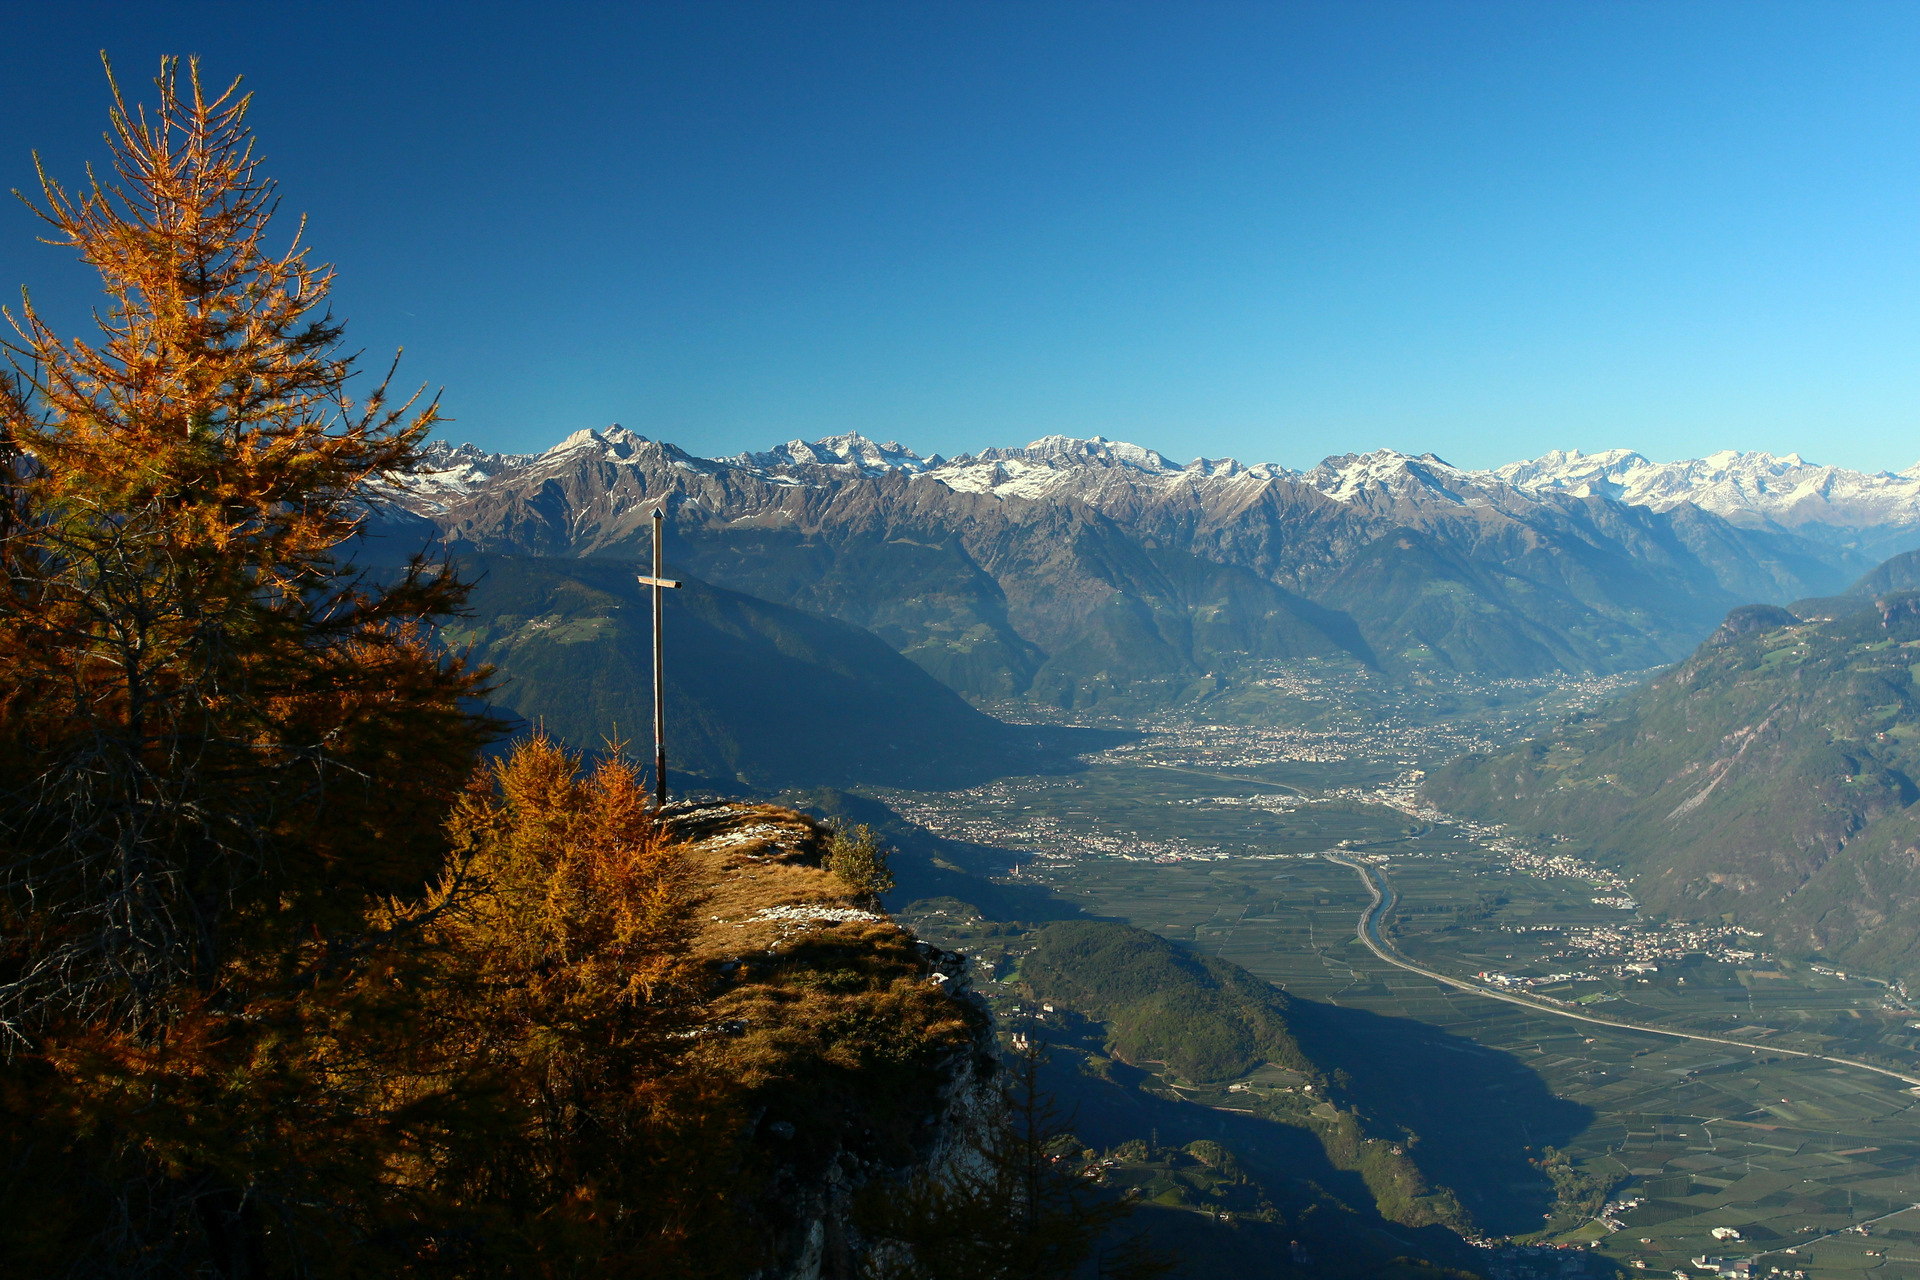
659	583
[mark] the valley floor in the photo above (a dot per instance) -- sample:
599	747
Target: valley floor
1241	842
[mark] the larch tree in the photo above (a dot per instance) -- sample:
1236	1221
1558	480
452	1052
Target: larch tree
222	747
565	922
212	729
291	982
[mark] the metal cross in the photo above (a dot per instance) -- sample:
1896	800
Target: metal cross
658	584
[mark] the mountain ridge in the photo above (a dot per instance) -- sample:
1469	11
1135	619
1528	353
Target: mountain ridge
1768	780
1094	571
758	695
1753	485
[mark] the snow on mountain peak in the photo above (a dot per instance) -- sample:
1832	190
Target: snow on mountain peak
1096	449
849	450
577	440
449	472
1349	477
1747	487
1744	486
616	441
1061	463
1571	470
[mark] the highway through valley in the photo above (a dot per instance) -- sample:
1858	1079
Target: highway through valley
1384	897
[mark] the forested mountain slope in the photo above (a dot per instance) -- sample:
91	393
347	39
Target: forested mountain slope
1768	779
1206	1018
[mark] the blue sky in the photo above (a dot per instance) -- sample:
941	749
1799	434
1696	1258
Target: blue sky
1272	231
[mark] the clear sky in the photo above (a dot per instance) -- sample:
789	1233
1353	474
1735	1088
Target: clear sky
1276	231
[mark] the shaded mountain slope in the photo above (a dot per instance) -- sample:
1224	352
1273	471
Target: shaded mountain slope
1770	778
1901	573
1428	604
757	693
1069	609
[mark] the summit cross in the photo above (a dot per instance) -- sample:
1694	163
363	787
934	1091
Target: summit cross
659	583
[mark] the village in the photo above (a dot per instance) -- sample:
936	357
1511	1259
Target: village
1641	947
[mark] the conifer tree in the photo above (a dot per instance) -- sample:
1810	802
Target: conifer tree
289	983
214	735
857	855
221	747
564	924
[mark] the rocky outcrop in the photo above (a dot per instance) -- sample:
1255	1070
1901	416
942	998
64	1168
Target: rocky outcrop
809	1200
805	972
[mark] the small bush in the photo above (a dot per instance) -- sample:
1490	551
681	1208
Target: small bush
858	857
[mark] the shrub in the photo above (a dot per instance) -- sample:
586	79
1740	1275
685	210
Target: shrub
859	857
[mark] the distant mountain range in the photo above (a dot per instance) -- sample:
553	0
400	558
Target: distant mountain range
1877	513
1769	780
1748	488
1093	571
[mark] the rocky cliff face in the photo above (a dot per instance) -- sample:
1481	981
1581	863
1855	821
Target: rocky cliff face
810	1198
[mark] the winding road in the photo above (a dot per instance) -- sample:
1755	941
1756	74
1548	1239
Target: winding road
1384	896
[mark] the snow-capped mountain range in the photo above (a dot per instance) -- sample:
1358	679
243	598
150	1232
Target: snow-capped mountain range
1080	569
1745	488
1788	490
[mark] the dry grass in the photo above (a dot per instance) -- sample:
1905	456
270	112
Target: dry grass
811	988
765	889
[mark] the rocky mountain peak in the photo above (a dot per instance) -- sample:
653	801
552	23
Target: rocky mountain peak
1351	477
1274	563
1582	474
849	451
615	442
450	472
1744	486
1092	451
1055	465
1754	488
